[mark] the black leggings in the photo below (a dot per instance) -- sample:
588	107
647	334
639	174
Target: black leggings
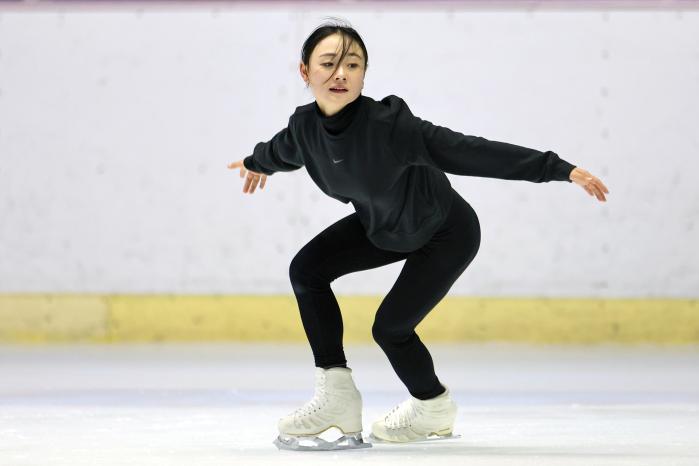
426	277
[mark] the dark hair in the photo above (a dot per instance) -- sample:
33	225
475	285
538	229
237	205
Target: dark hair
334	26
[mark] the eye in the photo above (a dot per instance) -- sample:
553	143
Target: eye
353	65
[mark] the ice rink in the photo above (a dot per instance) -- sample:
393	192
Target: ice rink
218	403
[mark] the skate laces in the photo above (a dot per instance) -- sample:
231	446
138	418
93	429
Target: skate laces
402	415
318	400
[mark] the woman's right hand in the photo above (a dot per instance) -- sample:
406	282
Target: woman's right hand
253	178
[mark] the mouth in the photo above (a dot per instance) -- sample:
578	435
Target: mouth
338	90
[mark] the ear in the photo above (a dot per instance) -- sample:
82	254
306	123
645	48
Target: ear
303	71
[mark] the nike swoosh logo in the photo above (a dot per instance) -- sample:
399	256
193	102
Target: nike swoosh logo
338	161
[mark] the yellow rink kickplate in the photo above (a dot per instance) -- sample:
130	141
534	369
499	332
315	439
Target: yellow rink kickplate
113	318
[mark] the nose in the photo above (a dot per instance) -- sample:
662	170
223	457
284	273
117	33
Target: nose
340	73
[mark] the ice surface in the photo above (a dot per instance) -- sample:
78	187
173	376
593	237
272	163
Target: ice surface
217	404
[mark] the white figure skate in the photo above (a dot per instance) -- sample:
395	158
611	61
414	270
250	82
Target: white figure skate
336	404
416	420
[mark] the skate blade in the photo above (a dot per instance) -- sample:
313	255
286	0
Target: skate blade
345	442
429	438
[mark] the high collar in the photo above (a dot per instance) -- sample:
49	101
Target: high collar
337	123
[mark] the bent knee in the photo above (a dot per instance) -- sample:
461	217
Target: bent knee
298	276
384	333
305	276
295	269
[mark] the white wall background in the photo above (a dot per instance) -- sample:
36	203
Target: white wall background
116	126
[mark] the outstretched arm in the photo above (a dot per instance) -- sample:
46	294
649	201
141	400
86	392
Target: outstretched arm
279	154
457	153
419	142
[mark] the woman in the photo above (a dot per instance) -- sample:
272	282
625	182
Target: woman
391	165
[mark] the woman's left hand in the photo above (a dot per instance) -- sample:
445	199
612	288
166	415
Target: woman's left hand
592	184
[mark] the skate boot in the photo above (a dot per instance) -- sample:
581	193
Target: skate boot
417	420
336	405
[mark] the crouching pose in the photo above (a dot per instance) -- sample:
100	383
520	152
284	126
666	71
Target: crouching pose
391	166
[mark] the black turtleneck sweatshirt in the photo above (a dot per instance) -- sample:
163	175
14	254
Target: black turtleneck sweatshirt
391	164
336	124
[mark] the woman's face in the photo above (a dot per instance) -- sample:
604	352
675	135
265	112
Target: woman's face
349	74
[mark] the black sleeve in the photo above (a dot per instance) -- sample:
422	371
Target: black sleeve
459	154
279	154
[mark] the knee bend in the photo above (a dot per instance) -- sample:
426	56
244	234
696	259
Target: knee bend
304	277
384	334
379	333
467	255
295	270
299	280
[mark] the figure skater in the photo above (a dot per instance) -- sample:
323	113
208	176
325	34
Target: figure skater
391	166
